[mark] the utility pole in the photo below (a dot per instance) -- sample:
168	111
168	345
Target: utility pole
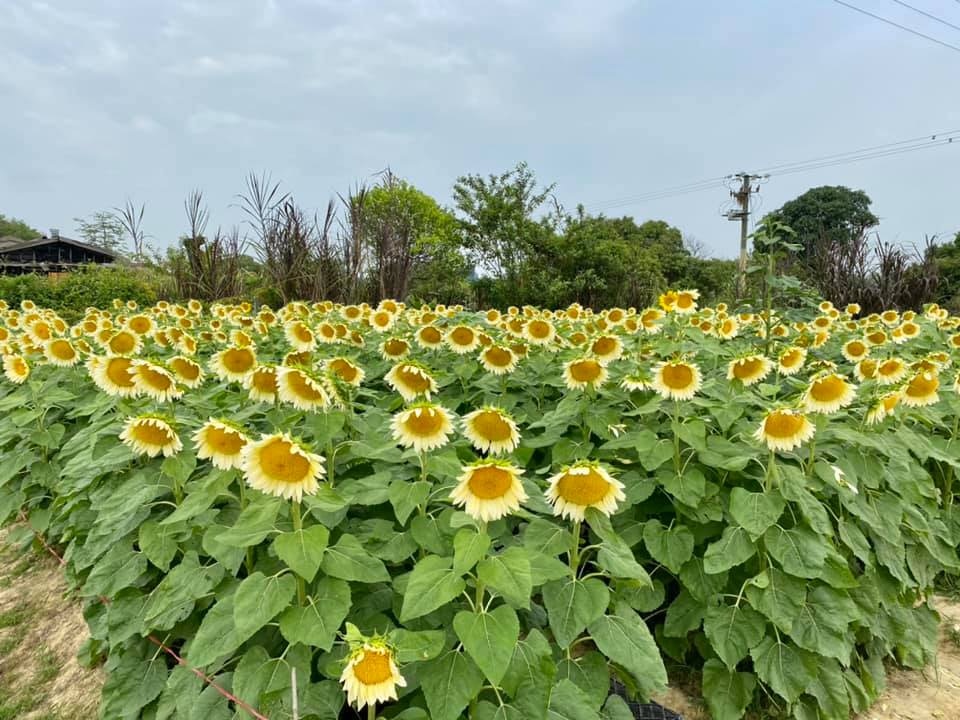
742	196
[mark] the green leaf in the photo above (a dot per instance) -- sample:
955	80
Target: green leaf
469	548
432	583
733	630
254	524
159	543
733	548
348	560
544	568
786	669
130	686
317	623
624	638
799	551
683	616
727	693
589	672
200	496
252	675
324	700
489	638
823	623
417	646
689	487
119	568
830	691
216	637
405	496
449	683
568	702
173	598
259	599
702	586
780	599
509	575
302	550
547	537
572	604
755	511
671	547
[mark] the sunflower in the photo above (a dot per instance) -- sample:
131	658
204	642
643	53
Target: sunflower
668	300
113	375
921	390
154	381
884	407
141	324
302	390
279	465
233	363
676	379
394	349
784	430
60	352
462	339
16	369
261	384
124	342
889	317
489	490
584	373
221	443
876	337
581	486
424	426
498	360
791	361
855	350
539	332
300	336
491	430
151	436
381	320
686	302
188	373
371	675
727	329
750	369
429	337
607	348
411	380
891	371
828	393
346	371
866	369
635	381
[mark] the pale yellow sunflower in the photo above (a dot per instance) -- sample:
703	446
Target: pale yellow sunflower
784	429
151	436
884	407
828	393
463	339
676	379
233	363
60	352
921	390
113	375
749	370
302	390
300	336
188	373
855	350
279	465
154	381
394	349
891	371
261	384
221	443
607	348
491	430
791	360
424	426
584	485
429	337
371	675
16	369
539	331
411	380
489	490
584	373
498	360
346	371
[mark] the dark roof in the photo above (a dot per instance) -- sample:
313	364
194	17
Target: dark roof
10	243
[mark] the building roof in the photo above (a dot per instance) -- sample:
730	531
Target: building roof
10	243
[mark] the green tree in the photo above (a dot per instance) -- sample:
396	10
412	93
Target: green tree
12	227
496	218
103	229
947	259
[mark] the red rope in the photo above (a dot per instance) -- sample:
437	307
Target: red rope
180	661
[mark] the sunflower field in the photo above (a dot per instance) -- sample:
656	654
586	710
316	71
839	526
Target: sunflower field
330	511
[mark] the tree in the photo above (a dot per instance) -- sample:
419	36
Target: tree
496	219
947	259
12	227
103	229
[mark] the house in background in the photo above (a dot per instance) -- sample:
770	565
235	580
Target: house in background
49	255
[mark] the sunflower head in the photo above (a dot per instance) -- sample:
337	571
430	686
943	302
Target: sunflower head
491	430
676	379
749	369
423	427
280	465
151	435
221	442
784	429
411	380
489	490
827	393
581	486
371	674
584	373
301	388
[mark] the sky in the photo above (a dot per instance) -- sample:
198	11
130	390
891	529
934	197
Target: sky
101	102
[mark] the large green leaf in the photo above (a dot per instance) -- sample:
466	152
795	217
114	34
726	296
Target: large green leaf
823	624
572	605
317	623
419	646
259	599
254	524
799	551
217	635
509	575
432	583
159	542
755	511
118	569
785	668
489	638
348	560
449	683
469	548
733	548
671	547
728	693
779	599
683	616
131	686
302	550
568	702
732	630
624	638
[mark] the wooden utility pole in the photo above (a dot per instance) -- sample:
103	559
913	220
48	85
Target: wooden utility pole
742	196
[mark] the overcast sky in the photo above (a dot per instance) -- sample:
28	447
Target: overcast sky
101	101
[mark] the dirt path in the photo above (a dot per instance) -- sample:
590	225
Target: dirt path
40	633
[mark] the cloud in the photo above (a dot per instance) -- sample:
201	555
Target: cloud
208	120
229	64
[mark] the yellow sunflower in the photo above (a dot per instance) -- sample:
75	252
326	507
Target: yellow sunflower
279	465
855	350
784	429
411	380
498	360
16	369
866	369
583	373
491	430
791	361
828	393
727	329
489	490
221	443
607	348
463	339
300	336
60	352
371	675
188	373
381	320
885	406
151	436
124	342
584	485
676	379
261	384
154	381
891	371
539	332
429	337
750	369
686	302
346	371
300	389
921	390
424	426
233	363
113	375
394	349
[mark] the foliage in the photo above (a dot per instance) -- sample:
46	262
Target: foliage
788	577
10	226
947	258
102	229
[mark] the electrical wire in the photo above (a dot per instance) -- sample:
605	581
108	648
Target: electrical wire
897	25
926	14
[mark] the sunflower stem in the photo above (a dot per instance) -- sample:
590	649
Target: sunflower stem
331	461
297	527
676	438
813	455
248	555
372	711
771	477
574	555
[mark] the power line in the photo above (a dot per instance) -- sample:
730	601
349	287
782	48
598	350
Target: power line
897	25
929	15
